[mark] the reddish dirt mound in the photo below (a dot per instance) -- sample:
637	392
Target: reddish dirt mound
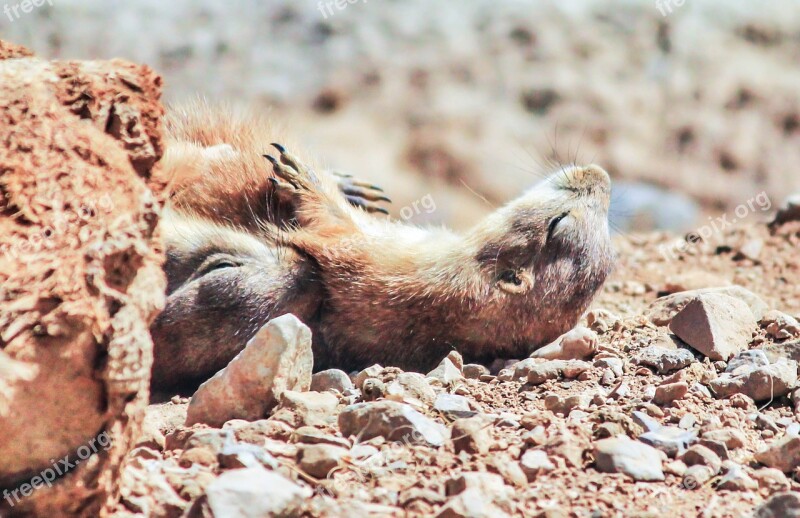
80	276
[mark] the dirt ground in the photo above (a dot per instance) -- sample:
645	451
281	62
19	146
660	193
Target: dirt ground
404	478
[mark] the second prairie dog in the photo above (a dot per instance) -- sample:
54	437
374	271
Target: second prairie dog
248	241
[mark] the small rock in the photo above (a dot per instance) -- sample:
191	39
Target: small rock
237	455
730	437
622	455
556	369
453	406
577	344
780	326
786	350
717	447
319	459
703	456
254	493
331	379
391	420
669	439
373	389
278	358
412	385
783	505
746	361
306	408
602	321
373	371
783	454
447	372
534	462
666	394
475	371
665	360
716	325
790	211
559	405
313	435
490	484
759	384
735	478
472	503
200	455
614	365
471	435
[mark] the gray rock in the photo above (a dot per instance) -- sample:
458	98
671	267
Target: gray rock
662	310
578	344
696	476
331	379
666	394
759	384
278	358
716	325
783	454
780	505
786	350
735	478
453	406
622	455
243	455
373	371
446	372
664	360
703	456
255	493
392	420
747	361
411	385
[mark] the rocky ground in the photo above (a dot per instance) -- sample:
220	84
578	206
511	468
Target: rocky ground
675	396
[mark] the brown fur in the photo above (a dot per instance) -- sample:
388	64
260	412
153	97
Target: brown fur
372	290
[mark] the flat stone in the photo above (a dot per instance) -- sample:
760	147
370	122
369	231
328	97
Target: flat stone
671	440
411	385
703	456
471	435
716	325
391	420
255	493
534	462
278	358
453	406
664	360
556	369
635	459
306	408
666	394
446	372
475	371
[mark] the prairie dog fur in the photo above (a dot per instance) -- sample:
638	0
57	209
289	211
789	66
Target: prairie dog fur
249	239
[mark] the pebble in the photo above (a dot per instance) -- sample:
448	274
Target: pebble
306	408
475	371
254	493
331	379
391	420
664	360
278	358
578	344
559	405
666	394
471	435
783	454
622	455
318	460
534	462
695	476
771	480
735	478
703	456
671	440
446	372
780	326
373	371
412	385
716	325
602	321
556	369
453	406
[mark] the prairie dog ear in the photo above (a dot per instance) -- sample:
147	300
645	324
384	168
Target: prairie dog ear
516	282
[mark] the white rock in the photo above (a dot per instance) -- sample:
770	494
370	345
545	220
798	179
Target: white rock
577	344
276	359
255	493
622	455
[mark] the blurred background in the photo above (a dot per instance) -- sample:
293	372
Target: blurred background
693	106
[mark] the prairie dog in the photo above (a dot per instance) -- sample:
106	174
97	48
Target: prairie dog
249	239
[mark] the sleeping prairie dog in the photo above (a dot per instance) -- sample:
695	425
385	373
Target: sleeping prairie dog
249	239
